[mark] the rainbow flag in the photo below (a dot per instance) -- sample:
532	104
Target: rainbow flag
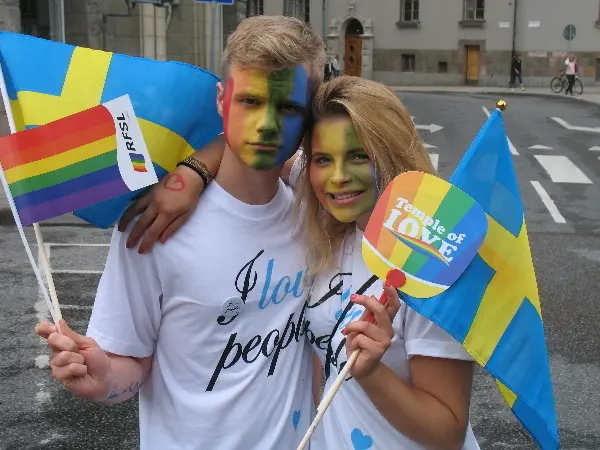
494	309
175	103
74	162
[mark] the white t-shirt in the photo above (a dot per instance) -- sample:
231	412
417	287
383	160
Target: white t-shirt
226	374
352	421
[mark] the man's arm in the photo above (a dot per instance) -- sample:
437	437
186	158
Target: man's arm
127	375
170	203
87	371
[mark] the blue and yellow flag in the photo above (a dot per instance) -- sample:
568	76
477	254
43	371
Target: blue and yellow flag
175	103
493	309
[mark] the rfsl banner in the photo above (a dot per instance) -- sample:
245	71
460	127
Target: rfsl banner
77	161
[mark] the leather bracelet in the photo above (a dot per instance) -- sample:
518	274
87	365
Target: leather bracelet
199	167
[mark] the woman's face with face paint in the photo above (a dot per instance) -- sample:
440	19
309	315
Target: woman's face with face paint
341	173
264	114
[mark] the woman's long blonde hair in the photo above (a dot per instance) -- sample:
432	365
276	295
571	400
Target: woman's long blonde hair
389	138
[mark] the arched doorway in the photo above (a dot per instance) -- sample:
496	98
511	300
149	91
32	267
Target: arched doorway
353	48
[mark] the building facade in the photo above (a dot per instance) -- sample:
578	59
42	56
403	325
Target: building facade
180	32
399	42
453	42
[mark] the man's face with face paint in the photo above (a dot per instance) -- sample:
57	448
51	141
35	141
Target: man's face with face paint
264	114
341	173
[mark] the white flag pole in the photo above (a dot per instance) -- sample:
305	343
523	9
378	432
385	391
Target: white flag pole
53	304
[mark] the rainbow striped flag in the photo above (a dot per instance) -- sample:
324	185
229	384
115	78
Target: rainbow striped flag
494	308
175	103
77	161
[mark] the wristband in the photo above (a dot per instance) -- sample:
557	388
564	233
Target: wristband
198	167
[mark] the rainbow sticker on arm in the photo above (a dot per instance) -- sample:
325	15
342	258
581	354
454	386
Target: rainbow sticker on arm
427	228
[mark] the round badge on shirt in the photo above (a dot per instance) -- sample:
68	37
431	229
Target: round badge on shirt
232	307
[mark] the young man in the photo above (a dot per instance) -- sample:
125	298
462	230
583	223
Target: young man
209	326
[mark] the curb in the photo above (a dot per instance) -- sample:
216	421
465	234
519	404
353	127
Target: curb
562	97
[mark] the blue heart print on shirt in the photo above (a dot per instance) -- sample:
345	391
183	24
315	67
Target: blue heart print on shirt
361	441
296	419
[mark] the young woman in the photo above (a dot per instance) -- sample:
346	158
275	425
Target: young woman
417	395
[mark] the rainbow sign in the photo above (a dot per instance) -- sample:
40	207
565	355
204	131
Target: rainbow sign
426	227
77	161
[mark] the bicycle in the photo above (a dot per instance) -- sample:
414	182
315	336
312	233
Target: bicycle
557	84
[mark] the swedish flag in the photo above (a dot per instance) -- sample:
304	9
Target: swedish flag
494	307
175	103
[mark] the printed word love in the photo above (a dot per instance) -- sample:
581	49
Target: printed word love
411	221
275	290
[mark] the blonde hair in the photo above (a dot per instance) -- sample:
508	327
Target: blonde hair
388	135
274	43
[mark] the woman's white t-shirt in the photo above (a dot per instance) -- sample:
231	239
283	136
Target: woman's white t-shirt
352	421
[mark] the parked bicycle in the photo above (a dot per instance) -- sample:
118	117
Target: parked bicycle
557	84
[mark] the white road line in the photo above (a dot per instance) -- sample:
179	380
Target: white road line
435	159
512	148
68	244
548	202
426	145
594	149
562	170
41	361
81	272
540	147
76	307
568	126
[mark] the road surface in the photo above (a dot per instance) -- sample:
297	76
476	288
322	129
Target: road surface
558	165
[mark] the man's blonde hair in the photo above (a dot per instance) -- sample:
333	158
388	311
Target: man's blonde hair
388	136
274	43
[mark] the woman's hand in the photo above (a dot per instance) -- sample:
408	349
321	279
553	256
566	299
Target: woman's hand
163	209
372	338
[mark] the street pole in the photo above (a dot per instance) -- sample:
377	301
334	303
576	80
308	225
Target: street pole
61	14
213	19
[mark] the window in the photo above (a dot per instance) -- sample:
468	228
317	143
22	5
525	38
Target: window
474	9
410	10
297	8
408	63
255	8
442	67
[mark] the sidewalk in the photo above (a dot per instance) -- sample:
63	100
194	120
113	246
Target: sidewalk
590	93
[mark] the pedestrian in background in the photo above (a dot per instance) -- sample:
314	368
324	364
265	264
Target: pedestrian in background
516	72
571	70
335	64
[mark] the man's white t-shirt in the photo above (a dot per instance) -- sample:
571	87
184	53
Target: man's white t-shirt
220	307
352	421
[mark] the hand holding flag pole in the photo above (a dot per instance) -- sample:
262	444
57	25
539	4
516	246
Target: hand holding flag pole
395	278
52	299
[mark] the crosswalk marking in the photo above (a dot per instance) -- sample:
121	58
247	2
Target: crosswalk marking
540	147
562	170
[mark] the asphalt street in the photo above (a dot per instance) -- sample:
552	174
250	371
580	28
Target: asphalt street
558	165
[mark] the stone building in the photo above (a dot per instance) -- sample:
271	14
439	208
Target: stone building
453	42
433	42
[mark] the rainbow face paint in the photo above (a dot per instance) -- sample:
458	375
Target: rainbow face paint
265	113
341	173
